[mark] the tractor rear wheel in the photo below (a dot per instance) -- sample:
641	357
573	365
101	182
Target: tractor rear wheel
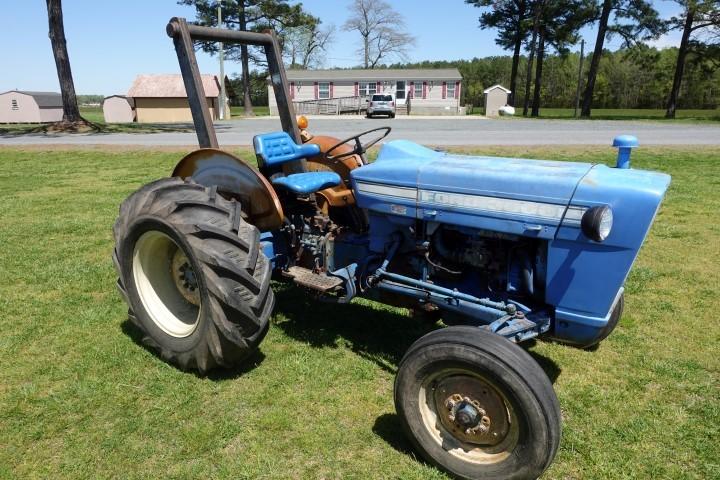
477	405
193	275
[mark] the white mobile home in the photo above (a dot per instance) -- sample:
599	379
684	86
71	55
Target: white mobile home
427	91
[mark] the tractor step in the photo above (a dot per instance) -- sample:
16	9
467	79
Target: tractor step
316	281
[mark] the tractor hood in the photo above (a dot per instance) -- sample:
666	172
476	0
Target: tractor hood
527	197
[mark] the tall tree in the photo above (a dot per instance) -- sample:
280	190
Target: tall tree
71	112
698	16
253	15
537	12
634	21
306	45
382	30
513	21
560	22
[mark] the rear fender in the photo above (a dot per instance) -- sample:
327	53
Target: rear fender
234	179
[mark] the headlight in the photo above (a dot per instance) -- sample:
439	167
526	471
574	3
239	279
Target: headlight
597	222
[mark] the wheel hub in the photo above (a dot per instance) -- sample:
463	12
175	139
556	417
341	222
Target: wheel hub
471	410
185	278
467	414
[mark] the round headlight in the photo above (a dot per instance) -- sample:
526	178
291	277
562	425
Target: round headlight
597	222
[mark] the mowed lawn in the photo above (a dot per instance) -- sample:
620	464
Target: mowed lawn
686	116
80	398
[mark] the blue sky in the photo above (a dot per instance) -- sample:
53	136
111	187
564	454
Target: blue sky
112	41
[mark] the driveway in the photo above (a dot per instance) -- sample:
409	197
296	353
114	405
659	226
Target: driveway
468	130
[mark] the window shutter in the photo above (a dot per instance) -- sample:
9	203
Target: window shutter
424	89
331	90
457	89
444	90
357	89
315	86
292	90
411	93
378	87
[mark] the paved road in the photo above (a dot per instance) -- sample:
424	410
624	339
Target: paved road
429	131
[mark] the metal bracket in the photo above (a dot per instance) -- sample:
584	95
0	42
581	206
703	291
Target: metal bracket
348	276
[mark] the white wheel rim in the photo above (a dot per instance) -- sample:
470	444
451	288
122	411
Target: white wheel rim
483	455
166	305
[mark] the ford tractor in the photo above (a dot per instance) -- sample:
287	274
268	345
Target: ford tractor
502	250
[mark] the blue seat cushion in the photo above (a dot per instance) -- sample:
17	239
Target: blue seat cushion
277	148
306	183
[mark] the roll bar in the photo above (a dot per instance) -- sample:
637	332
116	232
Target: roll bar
183	35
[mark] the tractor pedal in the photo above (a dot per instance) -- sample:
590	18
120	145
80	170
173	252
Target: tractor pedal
316	281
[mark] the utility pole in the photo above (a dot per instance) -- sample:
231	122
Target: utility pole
222	68
579	82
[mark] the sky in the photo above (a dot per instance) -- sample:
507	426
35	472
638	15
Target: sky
112	41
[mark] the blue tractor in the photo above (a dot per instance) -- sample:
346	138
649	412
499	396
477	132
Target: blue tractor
501	250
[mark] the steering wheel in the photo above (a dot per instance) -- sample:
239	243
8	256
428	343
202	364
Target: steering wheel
359	148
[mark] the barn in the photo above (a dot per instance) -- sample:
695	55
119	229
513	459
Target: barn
18	106
118	109
162	98
428	91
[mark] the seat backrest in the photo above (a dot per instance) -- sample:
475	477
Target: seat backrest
277	148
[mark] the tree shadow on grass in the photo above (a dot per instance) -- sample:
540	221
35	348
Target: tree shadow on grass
220	374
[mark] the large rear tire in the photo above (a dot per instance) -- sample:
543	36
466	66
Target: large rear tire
477	405
193	275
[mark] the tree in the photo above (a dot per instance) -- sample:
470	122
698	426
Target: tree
634	20
559	24
254	15
698	16
381	29
513	20
71	112
306	45
537	12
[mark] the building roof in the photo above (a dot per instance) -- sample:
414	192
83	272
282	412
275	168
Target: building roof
380	74
496	86
128	99
43	99
169	86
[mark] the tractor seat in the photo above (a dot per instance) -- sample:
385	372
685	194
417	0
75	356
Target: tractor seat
276	148
307	183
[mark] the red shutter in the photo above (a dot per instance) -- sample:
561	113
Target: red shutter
331	89
444	90
292	90
457	89
357	89
378	87
315	86
411	93
424	89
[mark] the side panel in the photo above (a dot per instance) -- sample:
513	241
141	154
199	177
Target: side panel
585	277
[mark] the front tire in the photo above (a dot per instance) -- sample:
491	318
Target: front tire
192	273
477	405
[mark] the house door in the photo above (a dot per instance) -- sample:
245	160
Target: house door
400	93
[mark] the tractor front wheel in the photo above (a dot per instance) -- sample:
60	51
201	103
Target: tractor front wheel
477	405
192	273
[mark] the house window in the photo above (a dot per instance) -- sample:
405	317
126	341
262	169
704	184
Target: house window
14	105
418	90
367	88
323	90
451	90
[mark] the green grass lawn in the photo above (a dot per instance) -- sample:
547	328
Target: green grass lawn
259	111
633	114
80	398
